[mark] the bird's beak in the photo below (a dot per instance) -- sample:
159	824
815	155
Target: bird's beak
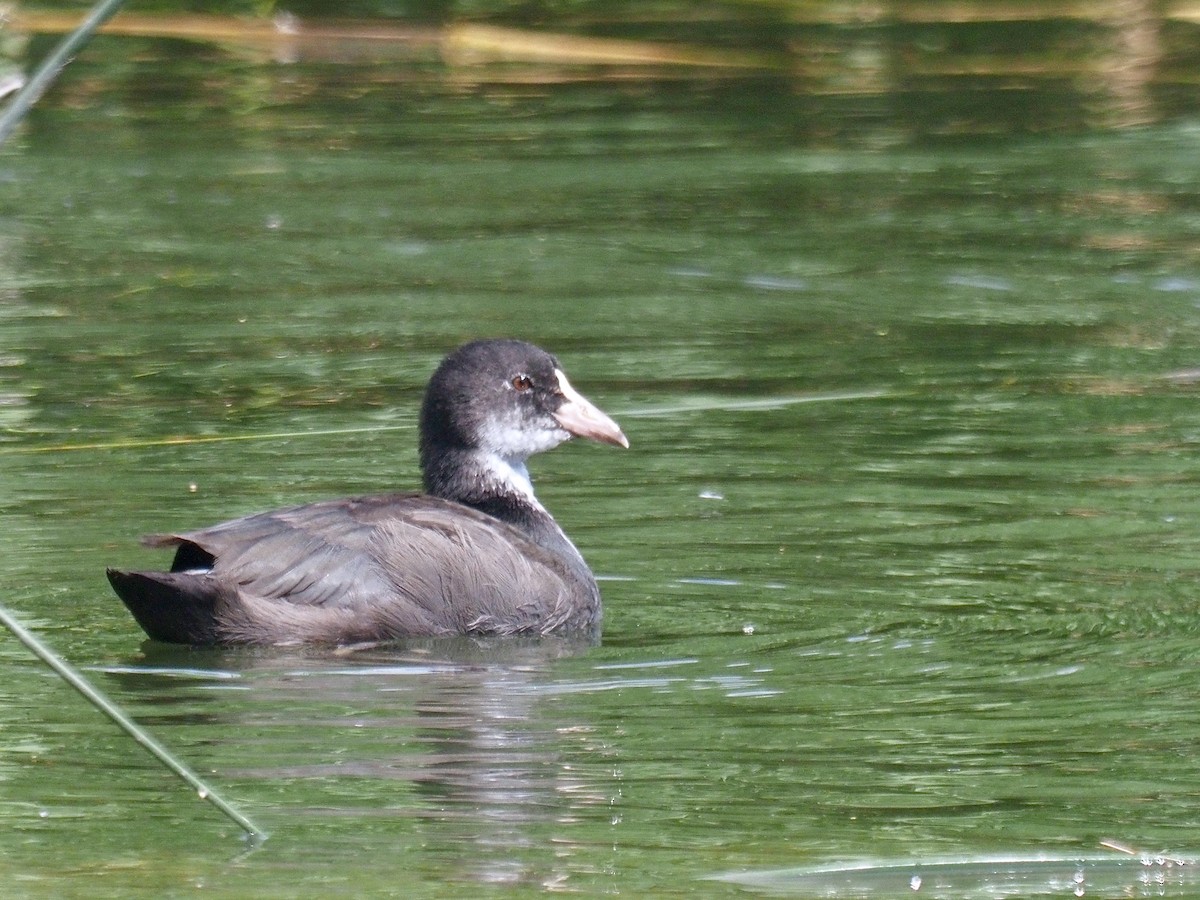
581	418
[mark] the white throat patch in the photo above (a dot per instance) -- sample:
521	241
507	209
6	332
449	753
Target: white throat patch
512	474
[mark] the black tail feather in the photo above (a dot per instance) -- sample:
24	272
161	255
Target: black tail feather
174	607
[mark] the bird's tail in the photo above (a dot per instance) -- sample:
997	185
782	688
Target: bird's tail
174	607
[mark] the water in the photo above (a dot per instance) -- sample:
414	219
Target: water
899	567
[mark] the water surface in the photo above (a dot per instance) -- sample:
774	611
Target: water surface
900	564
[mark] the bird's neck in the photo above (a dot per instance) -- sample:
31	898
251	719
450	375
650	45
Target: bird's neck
500	488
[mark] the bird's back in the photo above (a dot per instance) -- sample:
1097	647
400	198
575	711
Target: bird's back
359	569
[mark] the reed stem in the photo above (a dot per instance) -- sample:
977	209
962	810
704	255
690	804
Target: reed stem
74	678
53	64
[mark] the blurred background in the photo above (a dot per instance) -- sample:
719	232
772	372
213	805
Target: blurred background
923	67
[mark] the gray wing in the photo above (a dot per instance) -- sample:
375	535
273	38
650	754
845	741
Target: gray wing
481	575
312	555
411	564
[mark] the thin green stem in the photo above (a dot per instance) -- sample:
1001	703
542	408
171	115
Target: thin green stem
53	64
70	675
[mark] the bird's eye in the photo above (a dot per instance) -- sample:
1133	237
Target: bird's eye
522	383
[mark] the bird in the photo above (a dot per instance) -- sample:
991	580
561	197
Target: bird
475	554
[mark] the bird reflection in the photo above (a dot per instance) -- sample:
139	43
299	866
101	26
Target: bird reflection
470	725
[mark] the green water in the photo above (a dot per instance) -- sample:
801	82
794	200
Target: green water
900	564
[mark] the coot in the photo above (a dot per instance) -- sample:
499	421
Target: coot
475	554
